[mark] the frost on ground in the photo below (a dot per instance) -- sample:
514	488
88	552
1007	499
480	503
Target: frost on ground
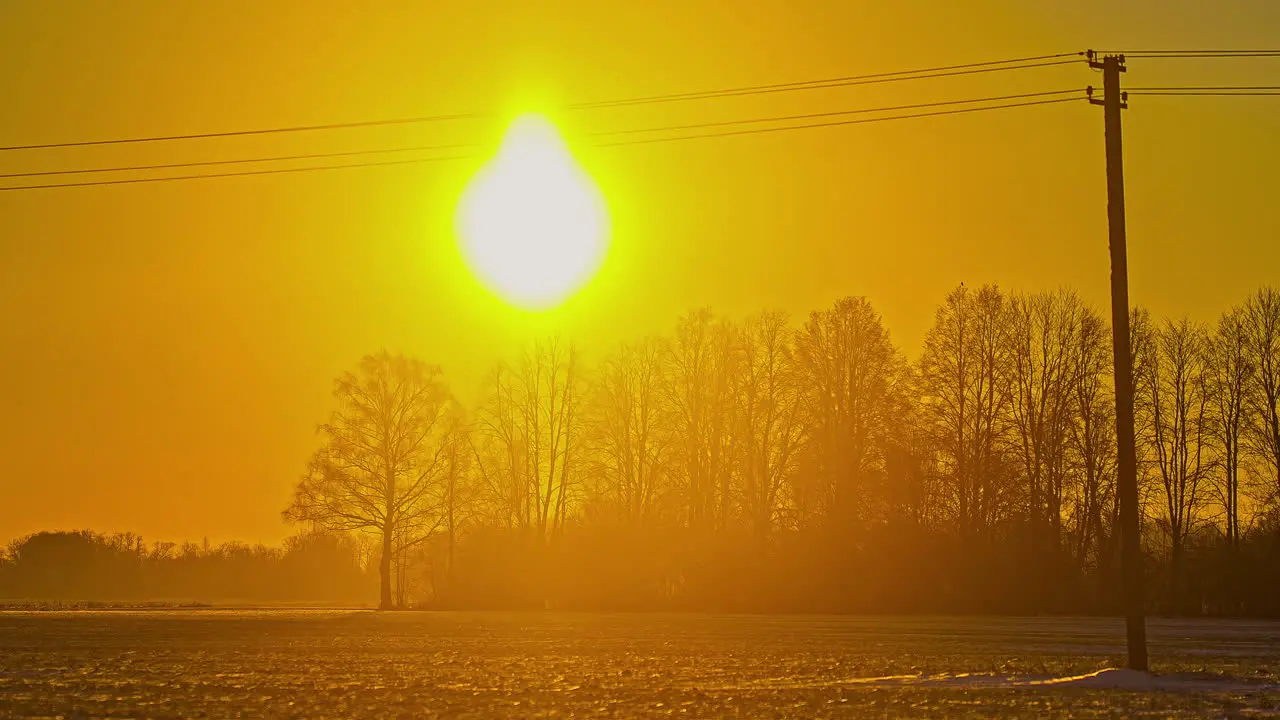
1104	679
215	663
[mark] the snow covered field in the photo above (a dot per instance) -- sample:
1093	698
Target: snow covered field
326	663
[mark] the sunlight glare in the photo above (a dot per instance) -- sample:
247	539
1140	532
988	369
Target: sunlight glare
532	223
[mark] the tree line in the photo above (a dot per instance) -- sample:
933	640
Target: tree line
82	566
766	464
770	464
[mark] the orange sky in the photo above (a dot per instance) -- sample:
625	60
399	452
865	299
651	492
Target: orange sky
169	347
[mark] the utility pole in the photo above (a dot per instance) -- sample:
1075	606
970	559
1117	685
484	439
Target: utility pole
1113	101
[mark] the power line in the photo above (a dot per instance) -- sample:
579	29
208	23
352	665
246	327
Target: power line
1223	52
273	171
852	80
240	133
836	113
838	123
1208	91
208	163
668	128
1021	63
1036	61
1204	87
1201	55
1204	94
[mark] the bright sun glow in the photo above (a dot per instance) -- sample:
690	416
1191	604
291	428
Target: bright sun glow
532	223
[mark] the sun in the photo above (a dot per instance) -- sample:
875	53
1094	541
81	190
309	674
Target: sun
532	224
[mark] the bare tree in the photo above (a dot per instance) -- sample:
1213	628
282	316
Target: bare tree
1262	327
1044	334
1177	404
702	360
966	392
531	428
915	490
849	372
380	468
1091	439
1143	346
498	447
459	492
1230	370
769	423
629	439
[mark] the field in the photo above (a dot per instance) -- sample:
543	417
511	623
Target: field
326	663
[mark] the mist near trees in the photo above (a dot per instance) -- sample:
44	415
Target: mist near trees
768	463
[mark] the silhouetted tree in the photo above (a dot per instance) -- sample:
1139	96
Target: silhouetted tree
1092	444
459	493
630	441
1178	440
966	390
1043	336
914	488
384	457
530	442
1229	374
702	360
849	373
1262	330
769	422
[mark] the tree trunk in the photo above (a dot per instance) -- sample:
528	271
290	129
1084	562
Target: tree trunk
448	572
384	570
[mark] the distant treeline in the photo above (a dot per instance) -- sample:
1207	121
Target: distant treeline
86	566
765	465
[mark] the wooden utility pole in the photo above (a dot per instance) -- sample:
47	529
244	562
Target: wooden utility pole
1113	101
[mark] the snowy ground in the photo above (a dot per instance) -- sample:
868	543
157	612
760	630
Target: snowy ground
325	663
